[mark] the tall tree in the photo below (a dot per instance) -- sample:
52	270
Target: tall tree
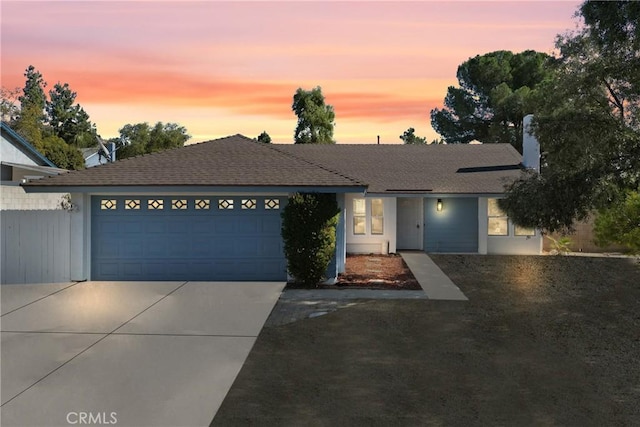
69	121
141	138
315	118
409	137
587	122
31	118
493	97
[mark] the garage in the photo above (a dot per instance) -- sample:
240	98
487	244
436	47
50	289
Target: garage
187	238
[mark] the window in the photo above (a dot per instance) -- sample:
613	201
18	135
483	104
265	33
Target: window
202	204
225	204
179	204
155	204
377	216
248	204
132	204
498	221
359	216
108	204
524	231
272	204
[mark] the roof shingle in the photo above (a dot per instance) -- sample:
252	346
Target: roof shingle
240	161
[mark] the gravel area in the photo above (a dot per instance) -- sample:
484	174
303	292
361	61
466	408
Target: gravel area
543	340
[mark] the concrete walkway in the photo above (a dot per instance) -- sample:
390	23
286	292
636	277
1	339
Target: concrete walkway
434	282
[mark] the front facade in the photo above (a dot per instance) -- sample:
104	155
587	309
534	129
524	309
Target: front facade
212	211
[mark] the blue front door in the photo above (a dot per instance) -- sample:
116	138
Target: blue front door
452	229
187	238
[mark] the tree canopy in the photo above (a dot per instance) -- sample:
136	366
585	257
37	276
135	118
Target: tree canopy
494	95
264	138
55	125
588	124
141	138
409	137
315	118
68	120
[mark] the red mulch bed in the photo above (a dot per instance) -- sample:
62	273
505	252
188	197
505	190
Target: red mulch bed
373	272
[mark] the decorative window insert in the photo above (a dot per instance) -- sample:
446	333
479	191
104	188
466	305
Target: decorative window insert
523	231
272	204
132	204
225	204
179	204
498	220
377	216
155	204
359	216
248	203
202	204
108	204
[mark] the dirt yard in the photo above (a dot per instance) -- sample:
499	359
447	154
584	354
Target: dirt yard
378	272
547	340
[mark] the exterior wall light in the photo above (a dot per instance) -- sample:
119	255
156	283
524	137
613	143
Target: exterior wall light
439	205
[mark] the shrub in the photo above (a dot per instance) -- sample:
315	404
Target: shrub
309	232
620	223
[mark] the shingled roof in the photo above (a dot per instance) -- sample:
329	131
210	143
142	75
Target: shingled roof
227	162
392	169
238	161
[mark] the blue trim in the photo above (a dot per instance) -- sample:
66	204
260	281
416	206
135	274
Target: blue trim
160	190
29	148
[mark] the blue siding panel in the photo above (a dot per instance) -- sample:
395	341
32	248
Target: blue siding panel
187	244
455	228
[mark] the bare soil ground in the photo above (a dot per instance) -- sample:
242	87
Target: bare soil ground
378	272
373	271
543	340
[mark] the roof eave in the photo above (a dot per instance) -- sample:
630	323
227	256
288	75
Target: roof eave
33	187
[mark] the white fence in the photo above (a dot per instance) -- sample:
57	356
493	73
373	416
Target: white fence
35	246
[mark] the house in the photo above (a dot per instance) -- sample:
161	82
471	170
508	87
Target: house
20	161
99	155
211	211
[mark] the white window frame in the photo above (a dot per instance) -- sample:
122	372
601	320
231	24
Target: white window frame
380	217
362	216
366	216
498	214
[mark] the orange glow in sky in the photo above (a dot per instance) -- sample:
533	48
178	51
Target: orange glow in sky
221	68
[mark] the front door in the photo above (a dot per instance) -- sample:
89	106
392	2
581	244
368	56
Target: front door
409	223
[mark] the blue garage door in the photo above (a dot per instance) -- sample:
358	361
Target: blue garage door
187	238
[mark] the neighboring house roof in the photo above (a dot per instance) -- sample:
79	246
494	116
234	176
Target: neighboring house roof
234	161
13	137
44	170
433	168
240	161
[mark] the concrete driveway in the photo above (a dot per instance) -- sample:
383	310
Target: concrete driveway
126	353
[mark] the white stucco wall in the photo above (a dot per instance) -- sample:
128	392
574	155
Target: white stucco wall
371	243
504	245
10	153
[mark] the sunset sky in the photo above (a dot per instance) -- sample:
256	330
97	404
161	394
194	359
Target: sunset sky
221	68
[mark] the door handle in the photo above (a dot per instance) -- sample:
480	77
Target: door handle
417	225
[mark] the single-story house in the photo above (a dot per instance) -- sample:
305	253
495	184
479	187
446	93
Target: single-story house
211	211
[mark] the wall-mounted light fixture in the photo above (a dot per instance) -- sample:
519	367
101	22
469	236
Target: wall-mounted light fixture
439	205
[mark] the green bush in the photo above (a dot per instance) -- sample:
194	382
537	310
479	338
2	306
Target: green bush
620	224
309	232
